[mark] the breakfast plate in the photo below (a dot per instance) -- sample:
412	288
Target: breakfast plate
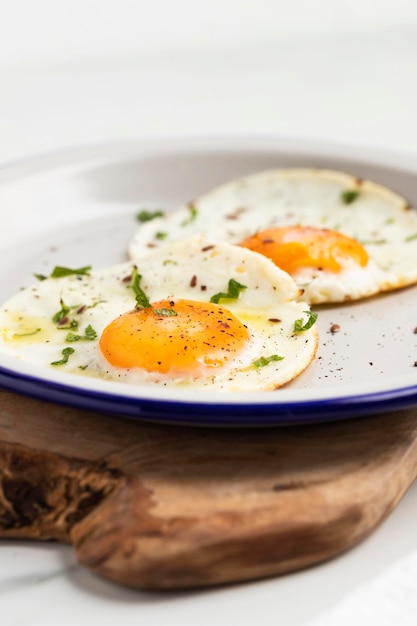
79	208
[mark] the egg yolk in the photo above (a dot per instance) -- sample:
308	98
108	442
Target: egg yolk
181	338
293	248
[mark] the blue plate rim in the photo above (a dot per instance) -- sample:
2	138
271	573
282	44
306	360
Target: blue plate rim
193	413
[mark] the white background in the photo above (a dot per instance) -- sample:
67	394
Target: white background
80	72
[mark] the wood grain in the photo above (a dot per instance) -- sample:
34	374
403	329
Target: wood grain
165	507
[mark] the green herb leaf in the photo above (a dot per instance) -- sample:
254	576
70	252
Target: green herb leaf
265	360
300	325
165	312
147	216
63	312
71	337
161	235
142	300
411	237
40	276
89	335
193	214
60	272
234	289
349	195
66	353
73	323
33	332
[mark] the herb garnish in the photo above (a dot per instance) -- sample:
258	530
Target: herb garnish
89	335
411	237
62	314
265	360
63	320
161	235
66	353
193	214
142	300
29	334
165	312
349	195
59	272
234	289
147	216
300	325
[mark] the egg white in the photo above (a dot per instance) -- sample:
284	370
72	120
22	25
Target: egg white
193	270
379	219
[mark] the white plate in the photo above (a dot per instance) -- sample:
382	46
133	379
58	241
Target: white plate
79	208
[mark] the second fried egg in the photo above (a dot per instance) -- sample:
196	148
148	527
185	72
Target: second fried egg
339	237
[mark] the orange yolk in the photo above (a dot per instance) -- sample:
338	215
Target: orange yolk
293	248
193	341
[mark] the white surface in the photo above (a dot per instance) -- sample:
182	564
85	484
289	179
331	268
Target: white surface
84	72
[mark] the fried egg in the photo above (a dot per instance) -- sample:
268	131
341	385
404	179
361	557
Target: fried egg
190	315
339	237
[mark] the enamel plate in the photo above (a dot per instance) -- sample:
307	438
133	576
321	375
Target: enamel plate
79	208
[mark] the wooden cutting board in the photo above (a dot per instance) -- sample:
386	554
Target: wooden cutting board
163	507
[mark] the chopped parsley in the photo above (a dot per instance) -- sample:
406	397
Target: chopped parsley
89	335
349	195
266	360
142	300
300	325
234	289
61	315
161	235
60	272
29	334
64	321
147	216
66	353
411	237
193	214
165	312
